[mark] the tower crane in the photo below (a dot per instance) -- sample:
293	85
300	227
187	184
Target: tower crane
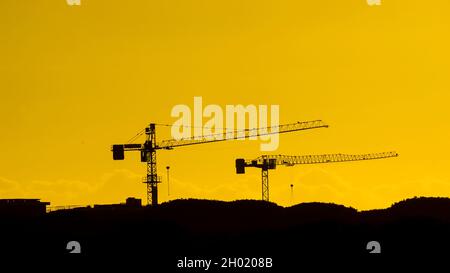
150	146
269	162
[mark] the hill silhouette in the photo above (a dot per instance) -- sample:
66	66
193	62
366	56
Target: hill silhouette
244	228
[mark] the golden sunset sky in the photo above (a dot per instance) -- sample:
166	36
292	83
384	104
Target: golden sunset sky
76	79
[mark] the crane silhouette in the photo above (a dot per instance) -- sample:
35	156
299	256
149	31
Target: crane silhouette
270	162
150	146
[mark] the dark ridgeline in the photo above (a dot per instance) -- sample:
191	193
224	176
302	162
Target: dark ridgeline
245	228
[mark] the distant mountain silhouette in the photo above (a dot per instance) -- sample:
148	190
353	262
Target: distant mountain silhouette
248	228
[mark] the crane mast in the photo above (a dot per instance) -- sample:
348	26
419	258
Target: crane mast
269	162
149	156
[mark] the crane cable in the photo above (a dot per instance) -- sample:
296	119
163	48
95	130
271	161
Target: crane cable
136	136
191	126
141	132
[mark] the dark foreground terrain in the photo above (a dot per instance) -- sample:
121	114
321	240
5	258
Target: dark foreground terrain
159	237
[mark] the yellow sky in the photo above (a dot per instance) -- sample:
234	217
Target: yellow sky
75	80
